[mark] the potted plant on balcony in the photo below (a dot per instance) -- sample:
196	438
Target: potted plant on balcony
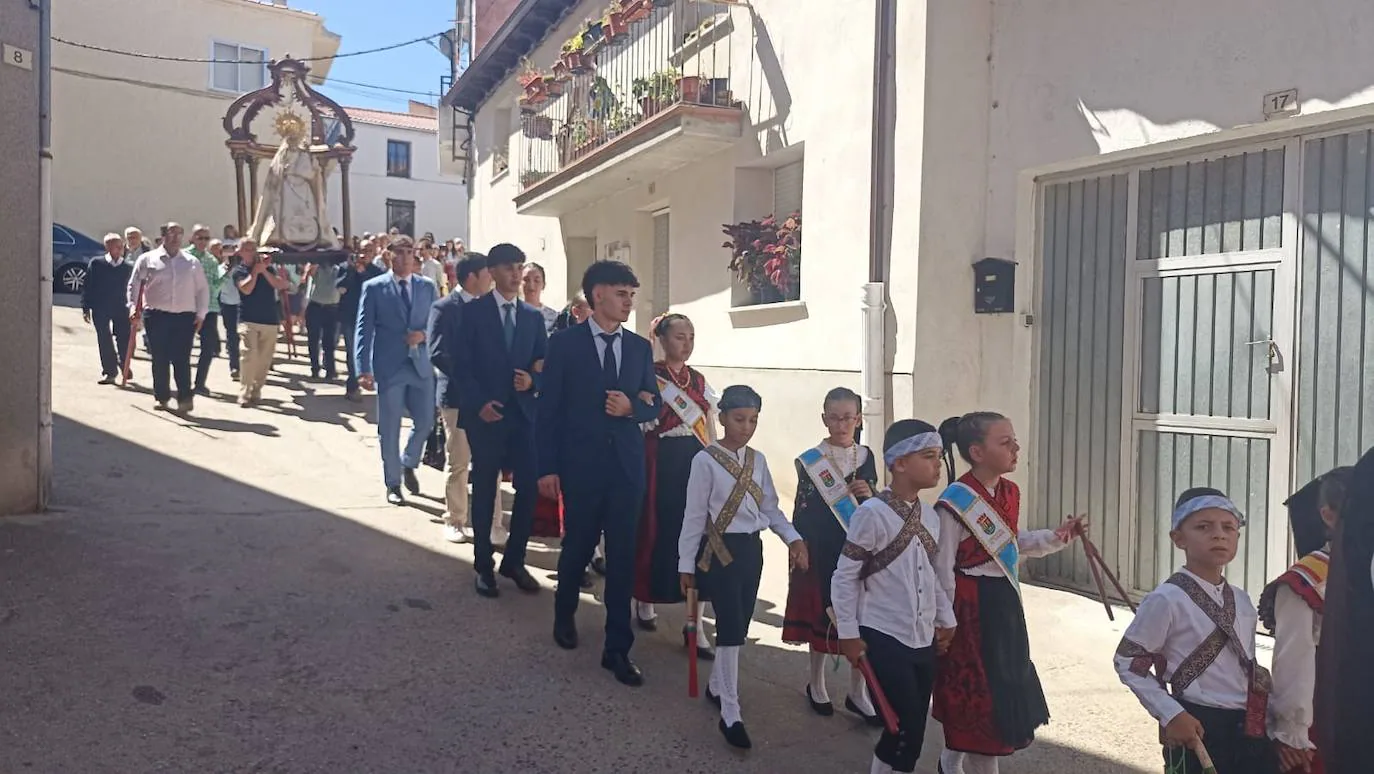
613	24
656	91
537	127
528	72
531	176
574	57
593	32
637	10
766	256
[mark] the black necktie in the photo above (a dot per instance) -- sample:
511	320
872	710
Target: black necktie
405	292
610	373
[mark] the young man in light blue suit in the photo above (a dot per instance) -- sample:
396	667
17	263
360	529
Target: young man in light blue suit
393	357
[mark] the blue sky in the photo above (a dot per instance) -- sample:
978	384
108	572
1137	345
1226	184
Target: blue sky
365	24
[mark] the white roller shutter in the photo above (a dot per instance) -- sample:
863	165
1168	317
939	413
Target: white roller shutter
787	189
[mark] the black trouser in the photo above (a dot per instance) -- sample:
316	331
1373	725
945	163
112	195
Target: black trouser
1230	749
322	336
348	323
907	677
209	348
504	445
602	503
170	336
229	313
112	337
733	589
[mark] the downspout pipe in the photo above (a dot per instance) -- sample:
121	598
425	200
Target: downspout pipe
45	250
873	369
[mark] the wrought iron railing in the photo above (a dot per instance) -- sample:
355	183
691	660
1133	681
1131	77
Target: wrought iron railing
640	60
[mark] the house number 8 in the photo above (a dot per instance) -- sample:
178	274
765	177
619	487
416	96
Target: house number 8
18	57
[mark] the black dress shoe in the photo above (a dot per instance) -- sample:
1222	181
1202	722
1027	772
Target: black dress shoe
647	624
735	735
623	668
522	578
486	585
106	379
203	391
872	720
394	496
599	565
412	483
565	634
822	708
703	653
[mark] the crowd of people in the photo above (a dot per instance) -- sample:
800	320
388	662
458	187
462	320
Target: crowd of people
646	473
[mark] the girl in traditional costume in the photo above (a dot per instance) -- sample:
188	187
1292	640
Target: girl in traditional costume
730	500
833	479
987	693
1291	609
683	428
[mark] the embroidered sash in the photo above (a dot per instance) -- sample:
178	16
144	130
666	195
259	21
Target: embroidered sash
987	527
686	409
876	561
1224	636
744	484
1306	578
830	485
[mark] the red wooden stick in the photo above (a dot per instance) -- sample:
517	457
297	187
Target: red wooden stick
879	698
692	624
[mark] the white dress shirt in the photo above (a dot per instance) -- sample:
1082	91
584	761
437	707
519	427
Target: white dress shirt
466	296
501	303
1297	629
601	343
903	600
174	284
1172	625
709	486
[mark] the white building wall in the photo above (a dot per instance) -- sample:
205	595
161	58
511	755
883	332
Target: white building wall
441	201
140	141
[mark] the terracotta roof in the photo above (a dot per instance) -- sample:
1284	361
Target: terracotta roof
396	120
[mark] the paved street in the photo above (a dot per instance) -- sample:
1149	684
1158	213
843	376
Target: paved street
229	593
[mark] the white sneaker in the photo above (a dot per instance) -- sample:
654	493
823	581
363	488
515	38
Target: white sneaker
455	534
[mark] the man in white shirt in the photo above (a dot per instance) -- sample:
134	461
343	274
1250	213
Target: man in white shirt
176	299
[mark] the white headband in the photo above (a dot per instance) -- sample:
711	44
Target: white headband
1184	510
918	442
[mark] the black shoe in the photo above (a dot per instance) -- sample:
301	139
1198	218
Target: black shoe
712	697
160	406
647	624
565	634
486	585
394	496
872	720
203	391
412	483
185	405
234	374
623	668
703	653
522	578
735	735
599	565
822	708
106	379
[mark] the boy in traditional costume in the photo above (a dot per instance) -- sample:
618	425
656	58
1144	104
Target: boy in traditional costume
1197	633
987	693
683	429
833	479
1291	609
730	500
889	606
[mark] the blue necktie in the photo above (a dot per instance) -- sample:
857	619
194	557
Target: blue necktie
610	373
508	324
405	293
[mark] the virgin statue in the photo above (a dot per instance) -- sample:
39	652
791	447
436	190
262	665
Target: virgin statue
291	211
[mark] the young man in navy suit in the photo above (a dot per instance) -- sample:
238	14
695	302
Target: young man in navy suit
598	386
496	371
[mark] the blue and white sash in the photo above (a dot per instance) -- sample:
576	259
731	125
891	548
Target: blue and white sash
987	527
830	484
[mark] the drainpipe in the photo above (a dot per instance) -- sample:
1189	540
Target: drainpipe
873	370
44	462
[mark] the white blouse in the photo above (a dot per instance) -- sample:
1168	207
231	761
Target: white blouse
1170	624
708	487
1297	632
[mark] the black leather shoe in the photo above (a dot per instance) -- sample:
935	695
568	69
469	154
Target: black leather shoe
599	565
623	668
872	720
394	496
106	379
565	634
822	708
736	736
647	624
703	653
522	578
412	483
486	585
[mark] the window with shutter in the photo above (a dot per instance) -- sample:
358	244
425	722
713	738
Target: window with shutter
787	189
662	232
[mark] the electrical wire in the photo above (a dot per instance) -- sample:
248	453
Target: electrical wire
162	58
335	81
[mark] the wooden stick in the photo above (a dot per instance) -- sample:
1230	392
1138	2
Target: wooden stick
879	698
692	624
1205	759
1097	557
1097	578
133	338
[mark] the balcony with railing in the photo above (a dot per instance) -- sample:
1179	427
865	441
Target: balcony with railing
644	90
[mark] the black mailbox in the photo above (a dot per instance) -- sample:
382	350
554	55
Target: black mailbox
994	286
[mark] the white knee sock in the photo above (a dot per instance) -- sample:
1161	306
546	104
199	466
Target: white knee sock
645	611
702	640
878	767
858	692
727	663
818	691
967	763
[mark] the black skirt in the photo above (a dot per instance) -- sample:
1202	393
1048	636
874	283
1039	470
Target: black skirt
656	575
1018	701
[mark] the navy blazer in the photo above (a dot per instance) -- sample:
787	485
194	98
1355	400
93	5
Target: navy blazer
484	370
573	428
443	334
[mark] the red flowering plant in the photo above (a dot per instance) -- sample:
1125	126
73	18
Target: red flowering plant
766	255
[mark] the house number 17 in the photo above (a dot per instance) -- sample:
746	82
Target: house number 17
1282	103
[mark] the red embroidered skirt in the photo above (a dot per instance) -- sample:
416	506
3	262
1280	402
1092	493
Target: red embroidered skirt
805	621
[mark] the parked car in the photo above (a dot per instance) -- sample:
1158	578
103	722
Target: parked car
72	251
